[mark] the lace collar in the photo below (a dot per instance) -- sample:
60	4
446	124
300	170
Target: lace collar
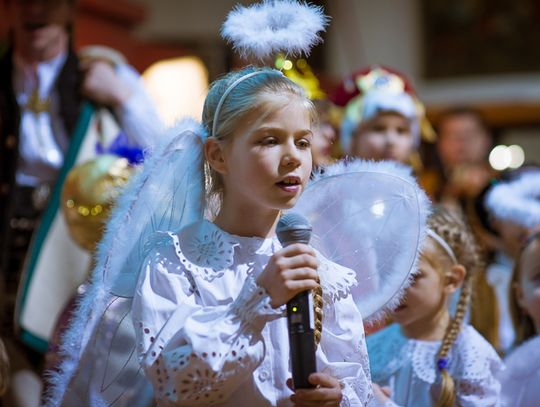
208	251
471	357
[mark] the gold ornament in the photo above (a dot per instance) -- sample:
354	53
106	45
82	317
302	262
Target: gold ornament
300	72
89	193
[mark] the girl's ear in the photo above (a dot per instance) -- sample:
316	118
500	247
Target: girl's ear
454	278
213	152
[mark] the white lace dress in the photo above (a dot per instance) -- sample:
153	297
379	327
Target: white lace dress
408	367
207	334
521	379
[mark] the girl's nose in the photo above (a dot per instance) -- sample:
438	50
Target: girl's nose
391	136
291	156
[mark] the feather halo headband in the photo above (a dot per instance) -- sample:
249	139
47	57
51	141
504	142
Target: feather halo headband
265	29
517	201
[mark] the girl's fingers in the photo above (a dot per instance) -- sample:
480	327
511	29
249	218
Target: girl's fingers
324	380
303	273
320	394
296	286
299	260
290	384
297	248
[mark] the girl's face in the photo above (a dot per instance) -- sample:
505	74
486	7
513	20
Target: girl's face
268	162
528	289
388	136
425	300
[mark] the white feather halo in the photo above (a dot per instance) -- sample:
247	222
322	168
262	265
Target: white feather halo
517	201
265	29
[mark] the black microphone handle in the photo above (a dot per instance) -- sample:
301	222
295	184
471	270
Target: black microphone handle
300	322
294	228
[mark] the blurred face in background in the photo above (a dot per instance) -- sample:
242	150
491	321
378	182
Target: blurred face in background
387	136
324	136
40	26
463	140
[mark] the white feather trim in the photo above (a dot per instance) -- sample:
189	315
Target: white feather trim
270	27
517	201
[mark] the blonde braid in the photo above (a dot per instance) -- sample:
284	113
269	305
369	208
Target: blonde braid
456	233
448	393
318	311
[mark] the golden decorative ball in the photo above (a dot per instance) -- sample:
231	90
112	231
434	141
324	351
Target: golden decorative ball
88	195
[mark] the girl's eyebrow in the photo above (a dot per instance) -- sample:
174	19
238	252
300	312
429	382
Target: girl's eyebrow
280	130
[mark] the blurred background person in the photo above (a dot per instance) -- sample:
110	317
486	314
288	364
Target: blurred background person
383	118
43	90
463	145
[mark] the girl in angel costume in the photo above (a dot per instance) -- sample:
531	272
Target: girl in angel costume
191	263
428	358
383	118
517	202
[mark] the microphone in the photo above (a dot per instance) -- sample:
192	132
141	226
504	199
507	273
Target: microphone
294	228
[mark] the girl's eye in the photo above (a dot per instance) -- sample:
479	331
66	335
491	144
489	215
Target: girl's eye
379	129
303	143
403	130
269	141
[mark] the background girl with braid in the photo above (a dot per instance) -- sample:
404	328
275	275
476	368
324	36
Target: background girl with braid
429	358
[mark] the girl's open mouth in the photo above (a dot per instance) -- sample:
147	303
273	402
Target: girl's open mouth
290	184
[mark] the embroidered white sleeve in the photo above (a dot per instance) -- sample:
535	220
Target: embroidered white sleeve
195	355
342	352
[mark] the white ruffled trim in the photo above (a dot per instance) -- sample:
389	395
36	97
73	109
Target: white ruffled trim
517	201
336	280
270	27
253	305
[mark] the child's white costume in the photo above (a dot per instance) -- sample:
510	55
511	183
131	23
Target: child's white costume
520	380
205	332
208	334
409	368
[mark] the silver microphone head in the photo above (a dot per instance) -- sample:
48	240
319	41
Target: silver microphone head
293	228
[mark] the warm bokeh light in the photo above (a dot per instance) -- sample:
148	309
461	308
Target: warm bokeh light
517	156
503	157
178	87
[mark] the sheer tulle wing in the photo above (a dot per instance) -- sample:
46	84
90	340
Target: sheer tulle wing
100	366
369	217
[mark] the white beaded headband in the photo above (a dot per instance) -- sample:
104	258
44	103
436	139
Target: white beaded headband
442	243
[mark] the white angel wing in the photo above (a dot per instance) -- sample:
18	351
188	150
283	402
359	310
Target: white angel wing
100	366
369	217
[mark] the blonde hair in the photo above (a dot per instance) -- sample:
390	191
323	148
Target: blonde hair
318	312
451	226
523	323
241	97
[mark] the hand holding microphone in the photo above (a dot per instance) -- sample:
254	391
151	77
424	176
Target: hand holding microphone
288	277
